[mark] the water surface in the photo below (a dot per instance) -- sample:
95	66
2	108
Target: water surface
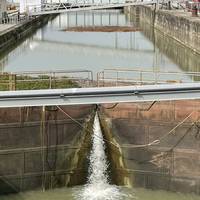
132	194
50	48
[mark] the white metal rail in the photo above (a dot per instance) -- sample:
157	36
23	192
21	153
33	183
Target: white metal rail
81	96
119	76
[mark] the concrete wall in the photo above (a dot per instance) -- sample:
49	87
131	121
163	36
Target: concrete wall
43	149
174	163
14	35
184	57
178	25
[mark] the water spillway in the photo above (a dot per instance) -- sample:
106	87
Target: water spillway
98	187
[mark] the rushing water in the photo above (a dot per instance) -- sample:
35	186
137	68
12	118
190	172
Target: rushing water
98	187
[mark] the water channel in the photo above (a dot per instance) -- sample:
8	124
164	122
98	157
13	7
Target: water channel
98	187
51	48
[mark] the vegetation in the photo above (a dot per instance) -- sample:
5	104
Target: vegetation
13	82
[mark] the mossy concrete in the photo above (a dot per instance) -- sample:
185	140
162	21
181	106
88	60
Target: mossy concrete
118	173
44	149
173	163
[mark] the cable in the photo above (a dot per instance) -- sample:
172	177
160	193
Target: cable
111	107
135	146
74	120
47	130
150	106
173	129
155	142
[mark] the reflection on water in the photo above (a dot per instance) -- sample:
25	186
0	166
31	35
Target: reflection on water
53	49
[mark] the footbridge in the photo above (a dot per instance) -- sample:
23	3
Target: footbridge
100	95
82	5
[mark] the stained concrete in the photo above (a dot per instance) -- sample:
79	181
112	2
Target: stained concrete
174	163
44	149
178	25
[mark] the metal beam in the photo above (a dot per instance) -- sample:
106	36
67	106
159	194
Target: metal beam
81	96
85	7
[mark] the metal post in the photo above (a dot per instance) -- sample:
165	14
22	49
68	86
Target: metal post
76	19
117	19
68	20
101	19
93	22
84	18
12	82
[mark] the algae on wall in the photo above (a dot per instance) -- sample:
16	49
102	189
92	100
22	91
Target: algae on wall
45	148
118	173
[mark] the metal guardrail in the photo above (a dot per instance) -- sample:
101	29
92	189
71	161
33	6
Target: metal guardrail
116	77
48	79
76	5
87	96
15	19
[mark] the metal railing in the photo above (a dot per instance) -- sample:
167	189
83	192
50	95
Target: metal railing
15	19
45	79
116	77
78	5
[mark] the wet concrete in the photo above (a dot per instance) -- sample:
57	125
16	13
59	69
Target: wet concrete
172	164
44	149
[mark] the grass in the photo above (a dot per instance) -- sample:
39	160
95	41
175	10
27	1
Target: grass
8	82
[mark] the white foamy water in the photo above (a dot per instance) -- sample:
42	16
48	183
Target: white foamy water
98	187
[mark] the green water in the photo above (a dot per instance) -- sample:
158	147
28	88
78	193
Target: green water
72	193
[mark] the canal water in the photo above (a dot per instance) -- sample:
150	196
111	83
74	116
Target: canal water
98	187
51	48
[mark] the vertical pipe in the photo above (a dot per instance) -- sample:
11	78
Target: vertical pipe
84	19
76	19
59	21
42	130
93	22
67	19
117	19
101	19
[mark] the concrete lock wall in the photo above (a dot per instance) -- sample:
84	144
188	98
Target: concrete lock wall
174	163
180	26
16	34
43	149
184	57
